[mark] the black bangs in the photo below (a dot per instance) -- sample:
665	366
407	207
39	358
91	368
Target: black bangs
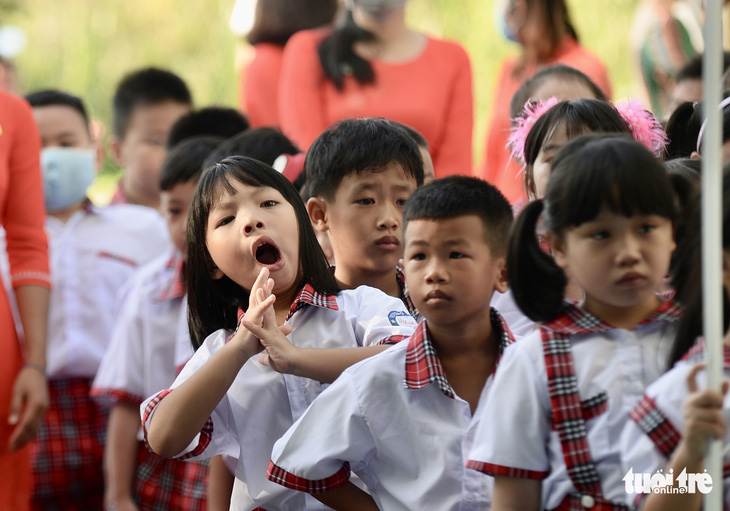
615	172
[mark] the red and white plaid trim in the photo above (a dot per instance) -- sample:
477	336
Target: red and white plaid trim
393	339
175	287
121	259
289	480
206	433
697	353
400	277
656	426
119	197
501	470
423	366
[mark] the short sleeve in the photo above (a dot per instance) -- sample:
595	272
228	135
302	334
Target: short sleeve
316	454
218	435
518	397
381	319
120	377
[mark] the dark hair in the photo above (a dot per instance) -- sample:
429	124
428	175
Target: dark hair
185	161
263	144
684	125
338	58
354	146
554	10
52	97
578	117
692	70
458	196
217	121
415	135
276	21
557	71
589	173
688	168
213	303
146	87
687	278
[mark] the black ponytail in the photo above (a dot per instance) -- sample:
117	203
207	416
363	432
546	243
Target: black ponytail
537	283
338	58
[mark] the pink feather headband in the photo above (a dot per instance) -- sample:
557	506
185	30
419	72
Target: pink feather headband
644	127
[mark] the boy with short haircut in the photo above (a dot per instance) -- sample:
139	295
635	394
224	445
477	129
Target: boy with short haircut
146	105
93	251
216	121
359	173
141	356
402	420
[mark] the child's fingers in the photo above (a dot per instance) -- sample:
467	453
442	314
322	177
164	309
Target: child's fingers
286	329
692	377
259	283
705	399
264	359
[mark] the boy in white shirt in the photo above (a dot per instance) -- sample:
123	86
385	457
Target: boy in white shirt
93	252
402	420
141	356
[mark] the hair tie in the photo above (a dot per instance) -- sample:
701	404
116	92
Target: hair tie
645	128
532	111
725	102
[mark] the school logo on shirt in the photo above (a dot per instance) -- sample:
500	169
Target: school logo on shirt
401	318
666	483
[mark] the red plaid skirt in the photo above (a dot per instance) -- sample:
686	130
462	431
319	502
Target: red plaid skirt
163	485
67	454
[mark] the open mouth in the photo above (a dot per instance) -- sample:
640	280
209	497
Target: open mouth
267	254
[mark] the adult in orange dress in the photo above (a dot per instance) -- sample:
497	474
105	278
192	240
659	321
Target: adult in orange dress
23	388
275	21
375	66
546	37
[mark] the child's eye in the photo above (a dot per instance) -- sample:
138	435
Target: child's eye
400	202
269	204
155	141
174	212
456	255
646	228
225	221
600	235
418	257
365	202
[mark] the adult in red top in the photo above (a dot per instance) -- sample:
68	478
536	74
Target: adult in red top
23	388
375	66
275	21
546	37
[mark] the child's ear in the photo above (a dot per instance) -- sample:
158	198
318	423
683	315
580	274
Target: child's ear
115	147
317	210
501	283
557	247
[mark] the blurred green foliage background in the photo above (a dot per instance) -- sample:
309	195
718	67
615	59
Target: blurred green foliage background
86	46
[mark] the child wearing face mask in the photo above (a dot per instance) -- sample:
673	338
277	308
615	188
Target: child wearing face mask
374	65
93	251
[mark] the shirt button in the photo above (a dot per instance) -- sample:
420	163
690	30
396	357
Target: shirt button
587	501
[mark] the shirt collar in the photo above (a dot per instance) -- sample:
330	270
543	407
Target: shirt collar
697	353
400	277
307	296
573	319
423	366
175	286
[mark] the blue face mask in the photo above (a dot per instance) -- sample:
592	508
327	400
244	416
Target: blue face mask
67	173
500	18
379	10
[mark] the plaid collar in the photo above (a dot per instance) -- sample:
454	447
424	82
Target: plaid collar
697	353
573	319
423	366
307	296
400	277
119	197
175	287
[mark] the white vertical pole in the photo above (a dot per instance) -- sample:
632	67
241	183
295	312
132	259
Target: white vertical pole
712	292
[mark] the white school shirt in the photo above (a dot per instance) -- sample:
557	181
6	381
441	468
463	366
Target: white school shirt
515	438
92	256
140	359
183	345
262	404
658	422
519	324
395	421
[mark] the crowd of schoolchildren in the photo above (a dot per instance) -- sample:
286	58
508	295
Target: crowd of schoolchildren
254	327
